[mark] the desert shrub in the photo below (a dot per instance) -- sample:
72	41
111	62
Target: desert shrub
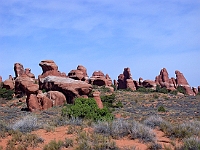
161	109
7	94
94	142
20	140
53	145
108	100
117	128
4	128
142	132
26	124
155	146
181	89
86	109
174	92
154	121
161	90
145	90
68	143
192	143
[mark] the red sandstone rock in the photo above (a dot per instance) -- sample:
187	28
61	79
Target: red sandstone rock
57	98
98	78
163	78
76	74
9	83
97	98
32	88
49	68
83	69
29	74
32	103
149	84
195	90
18	69
140	81
69	87
181	81
125	80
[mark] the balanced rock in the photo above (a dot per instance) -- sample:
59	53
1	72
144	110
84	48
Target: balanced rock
49	68
98	78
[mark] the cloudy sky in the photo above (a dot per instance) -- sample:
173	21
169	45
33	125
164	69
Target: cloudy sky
106	35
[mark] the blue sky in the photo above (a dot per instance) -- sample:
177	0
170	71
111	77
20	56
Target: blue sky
106	35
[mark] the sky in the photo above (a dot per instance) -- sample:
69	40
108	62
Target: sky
106	35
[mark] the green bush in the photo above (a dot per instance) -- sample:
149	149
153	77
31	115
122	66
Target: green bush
86	109
145	90
181	89
161	90
174	92
109	101
7	94
161	109
53	145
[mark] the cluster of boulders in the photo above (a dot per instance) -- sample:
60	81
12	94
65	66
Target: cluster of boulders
125	81
54	88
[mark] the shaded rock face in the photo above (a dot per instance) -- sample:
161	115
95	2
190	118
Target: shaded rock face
97	98
181	81
98	78
149	84
18	69
163	78
79	74
49	68
199	89
125	80
195	90
69	87
56	97
9	84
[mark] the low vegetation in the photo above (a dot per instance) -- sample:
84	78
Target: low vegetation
7	94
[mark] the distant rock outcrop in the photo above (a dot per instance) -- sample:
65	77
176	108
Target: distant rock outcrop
163	78
181	81
9	84
149	84
98	78
79	74
125	80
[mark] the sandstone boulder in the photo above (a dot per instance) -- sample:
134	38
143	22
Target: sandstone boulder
32	103
57	98
98	78
69	87
29	74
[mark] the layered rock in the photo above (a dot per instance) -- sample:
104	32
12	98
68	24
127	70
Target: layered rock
125	80
79	74
98	78
181	81
69	87
9	83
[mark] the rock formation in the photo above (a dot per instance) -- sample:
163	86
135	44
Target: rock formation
79	74
18	69
163	78
149	84
125	80
195	90
181	81
0	79
199	89
98	78
97	98
50	68
9	83
52	79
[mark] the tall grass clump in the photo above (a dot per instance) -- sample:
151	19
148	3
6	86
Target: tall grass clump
26	124
192	143
142	132
154	121
117	128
